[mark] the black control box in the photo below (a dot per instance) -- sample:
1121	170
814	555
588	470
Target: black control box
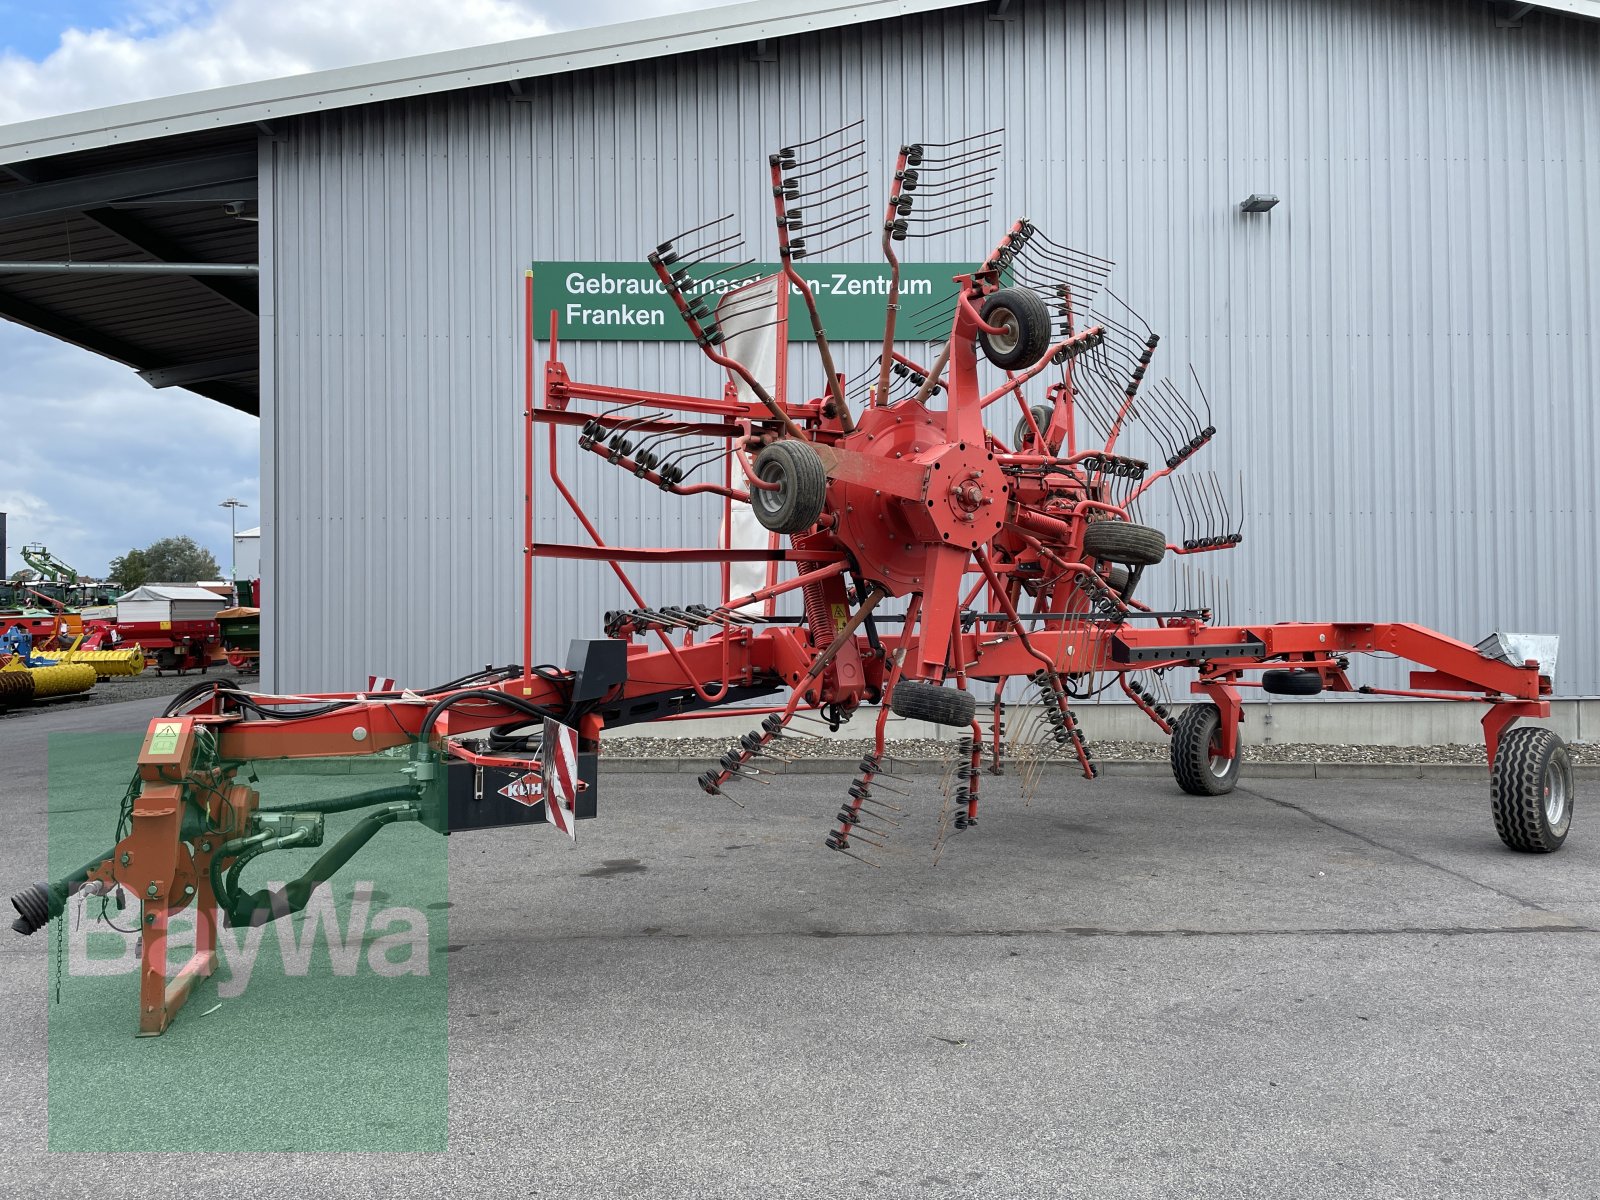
487	797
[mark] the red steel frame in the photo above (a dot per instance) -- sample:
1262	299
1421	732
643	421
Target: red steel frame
919	499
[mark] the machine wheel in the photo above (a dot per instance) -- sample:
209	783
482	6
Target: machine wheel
166	661
1291	683
1125	542
1024	433
1196	765
1530	791
1117	581
802	487
919	701
1026	321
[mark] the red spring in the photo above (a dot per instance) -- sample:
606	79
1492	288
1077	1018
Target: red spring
819	620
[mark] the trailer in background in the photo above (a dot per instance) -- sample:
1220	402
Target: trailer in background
241	638
176	625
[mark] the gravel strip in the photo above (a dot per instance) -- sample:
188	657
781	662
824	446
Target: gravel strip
139	687
916	748
134	687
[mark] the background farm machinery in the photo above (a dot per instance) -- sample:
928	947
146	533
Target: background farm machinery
911	547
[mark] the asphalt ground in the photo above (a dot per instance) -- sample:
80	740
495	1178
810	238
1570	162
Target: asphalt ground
1307	988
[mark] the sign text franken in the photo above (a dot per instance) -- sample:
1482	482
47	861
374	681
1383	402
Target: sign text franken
624	301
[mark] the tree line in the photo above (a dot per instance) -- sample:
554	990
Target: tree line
169	560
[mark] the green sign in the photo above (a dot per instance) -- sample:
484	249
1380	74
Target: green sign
626	302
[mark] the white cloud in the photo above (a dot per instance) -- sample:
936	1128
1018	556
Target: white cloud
169	47
110	463
106	463
173	48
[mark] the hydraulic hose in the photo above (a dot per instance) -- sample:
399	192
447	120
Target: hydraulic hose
339	804
260	907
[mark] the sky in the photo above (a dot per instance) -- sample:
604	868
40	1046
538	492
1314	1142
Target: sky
96	461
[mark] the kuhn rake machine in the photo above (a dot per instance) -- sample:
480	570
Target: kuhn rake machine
922	551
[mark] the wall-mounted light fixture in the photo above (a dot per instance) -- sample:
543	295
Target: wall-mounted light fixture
1258	202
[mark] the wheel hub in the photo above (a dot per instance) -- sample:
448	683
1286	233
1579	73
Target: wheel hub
962	503
1555	797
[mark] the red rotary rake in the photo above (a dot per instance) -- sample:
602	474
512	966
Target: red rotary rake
1014	558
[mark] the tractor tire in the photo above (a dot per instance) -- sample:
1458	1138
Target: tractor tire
1198	770
919	701
1291	683
1124	542
1023	436
1026	321
1530	792
802	487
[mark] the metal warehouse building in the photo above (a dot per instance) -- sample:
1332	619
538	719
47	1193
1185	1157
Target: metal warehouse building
1400	355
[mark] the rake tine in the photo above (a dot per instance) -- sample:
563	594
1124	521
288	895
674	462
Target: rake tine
838	222
856	833
889	825
834	190
789	147
1206	400
1091	276
700	254
845	162
857	146
851	853
1194	523
858	814
1129	309
1181	500
1226	527
943	232
1184	416
1202	516
667	245
697	282
960	158
873	800
1048	241
971	137
810	253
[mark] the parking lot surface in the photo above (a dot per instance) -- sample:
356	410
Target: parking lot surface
1306	988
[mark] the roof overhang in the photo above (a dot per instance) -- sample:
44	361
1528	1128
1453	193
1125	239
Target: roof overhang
142	254
504	62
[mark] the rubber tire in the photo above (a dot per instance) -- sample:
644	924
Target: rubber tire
1041	417
1522	770
1124	542
1117	581
919	701
1192	736
1291	683
1025	313
802	491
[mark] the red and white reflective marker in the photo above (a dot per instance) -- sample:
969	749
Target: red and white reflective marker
559	764
380	683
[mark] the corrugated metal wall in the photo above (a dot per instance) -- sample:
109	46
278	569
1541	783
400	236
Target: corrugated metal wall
1400	354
